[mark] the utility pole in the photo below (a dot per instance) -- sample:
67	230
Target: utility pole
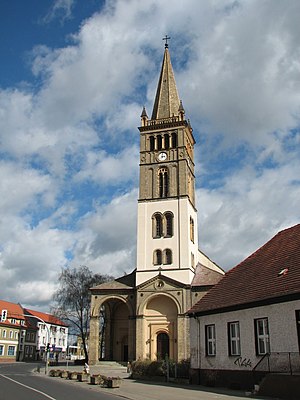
47	339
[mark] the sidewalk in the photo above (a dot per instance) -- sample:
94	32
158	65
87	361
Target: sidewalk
148	390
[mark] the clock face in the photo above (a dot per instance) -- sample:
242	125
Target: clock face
162	156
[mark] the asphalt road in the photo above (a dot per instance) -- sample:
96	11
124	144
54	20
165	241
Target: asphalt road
18	382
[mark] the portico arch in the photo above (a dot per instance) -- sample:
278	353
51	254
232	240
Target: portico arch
111	331
160	325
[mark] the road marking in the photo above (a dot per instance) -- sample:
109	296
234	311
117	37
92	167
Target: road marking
28	387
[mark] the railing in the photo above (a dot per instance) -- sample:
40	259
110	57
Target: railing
278	363
163	123
176	370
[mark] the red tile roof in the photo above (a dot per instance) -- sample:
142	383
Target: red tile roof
13	311
205	276
48	318
272	272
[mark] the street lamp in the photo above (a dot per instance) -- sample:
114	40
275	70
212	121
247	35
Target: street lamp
48	337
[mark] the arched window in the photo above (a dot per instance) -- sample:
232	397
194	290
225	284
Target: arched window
152	143
167	141
157	226
192	228
168	224
174	140
167	259
157	257
163	182
159	142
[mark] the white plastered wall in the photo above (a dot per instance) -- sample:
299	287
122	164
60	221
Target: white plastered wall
282	333
180	243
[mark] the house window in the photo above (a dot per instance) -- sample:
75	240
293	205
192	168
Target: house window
234	339
11	350
157	257
167	256
16	335
13	321
11	334
262	339
169	224
157	226
4	333
210	340
163	182
1	350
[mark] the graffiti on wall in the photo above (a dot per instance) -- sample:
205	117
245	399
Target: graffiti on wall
243	362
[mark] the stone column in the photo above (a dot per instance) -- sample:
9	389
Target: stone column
131	338
139	338
94	340
183	338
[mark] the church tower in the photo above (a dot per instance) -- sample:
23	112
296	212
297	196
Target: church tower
145	311
167	235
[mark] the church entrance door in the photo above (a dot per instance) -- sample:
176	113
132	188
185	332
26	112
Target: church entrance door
163	343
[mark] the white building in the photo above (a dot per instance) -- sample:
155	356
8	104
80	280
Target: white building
52	331
250	321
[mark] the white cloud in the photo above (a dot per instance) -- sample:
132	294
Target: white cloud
238	218
107	237
61	9
237	69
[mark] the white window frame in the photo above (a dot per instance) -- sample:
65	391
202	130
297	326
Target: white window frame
262	336
210	340
234	338
9	348
1	349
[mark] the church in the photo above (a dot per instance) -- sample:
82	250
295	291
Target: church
142	315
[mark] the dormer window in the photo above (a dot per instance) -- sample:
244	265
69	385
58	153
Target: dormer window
3	315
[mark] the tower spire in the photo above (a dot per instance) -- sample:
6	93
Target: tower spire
166	102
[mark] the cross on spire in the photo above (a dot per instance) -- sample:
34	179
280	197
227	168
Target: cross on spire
166	38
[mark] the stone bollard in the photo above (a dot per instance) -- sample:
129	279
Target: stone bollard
83	377
96	380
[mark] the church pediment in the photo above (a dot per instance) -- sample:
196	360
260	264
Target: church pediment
161	282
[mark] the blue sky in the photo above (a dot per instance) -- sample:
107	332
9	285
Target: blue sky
74	76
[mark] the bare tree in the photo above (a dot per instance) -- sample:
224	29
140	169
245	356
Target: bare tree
73	299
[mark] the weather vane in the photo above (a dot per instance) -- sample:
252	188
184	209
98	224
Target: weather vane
166	38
